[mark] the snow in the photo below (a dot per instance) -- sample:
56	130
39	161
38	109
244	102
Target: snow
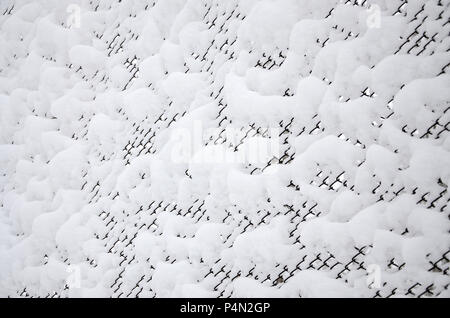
260	148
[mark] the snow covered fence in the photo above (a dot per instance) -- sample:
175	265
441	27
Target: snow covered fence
321	166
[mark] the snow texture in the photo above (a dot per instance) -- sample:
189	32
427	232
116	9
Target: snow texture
206	148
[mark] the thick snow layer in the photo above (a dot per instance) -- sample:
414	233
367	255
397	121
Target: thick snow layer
216	148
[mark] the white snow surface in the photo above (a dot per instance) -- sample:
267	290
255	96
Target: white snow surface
321	168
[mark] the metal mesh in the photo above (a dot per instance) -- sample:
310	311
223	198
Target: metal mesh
122	225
